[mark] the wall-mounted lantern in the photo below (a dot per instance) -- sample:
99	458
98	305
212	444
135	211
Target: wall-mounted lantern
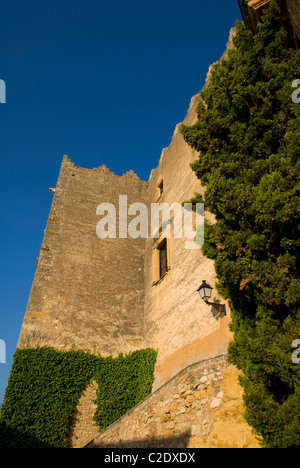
205	293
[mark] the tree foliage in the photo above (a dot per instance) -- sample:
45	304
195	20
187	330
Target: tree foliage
248	137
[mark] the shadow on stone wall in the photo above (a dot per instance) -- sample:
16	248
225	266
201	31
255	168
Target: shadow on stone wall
178	441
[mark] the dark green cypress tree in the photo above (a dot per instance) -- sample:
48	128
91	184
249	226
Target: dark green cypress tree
248	137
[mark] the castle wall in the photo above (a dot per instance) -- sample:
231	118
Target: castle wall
87	293
106	295
201	407
177	322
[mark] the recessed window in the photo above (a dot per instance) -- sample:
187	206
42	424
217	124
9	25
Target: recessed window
160	260
163	258
160	188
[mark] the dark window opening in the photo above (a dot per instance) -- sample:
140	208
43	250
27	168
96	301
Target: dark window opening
163	258
161	188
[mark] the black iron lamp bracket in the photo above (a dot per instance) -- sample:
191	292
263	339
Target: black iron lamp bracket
221	308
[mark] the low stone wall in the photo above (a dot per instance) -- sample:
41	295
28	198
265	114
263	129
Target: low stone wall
201	407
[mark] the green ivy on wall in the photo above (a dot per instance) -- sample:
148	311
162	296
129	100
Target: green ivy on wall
45	385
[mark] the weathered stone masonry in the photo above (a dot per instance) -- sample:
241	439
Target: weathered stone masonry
199	408
87	293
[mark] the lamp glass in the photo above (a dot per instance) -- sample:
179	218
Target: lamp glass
205	290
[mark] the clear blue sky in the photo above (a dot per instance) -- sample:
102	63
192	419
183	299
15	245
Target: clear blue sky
103	81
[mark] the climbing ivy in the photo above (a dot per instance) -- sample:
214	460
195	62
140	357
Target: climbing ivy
122	383
45	385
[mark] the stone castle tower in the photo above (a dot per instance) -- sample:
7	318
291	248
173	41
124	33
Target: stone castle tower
87	293
117	295
111	295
